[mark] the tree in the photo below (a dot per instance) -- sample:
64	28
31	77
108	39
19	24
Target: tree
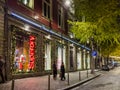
100	22
97	19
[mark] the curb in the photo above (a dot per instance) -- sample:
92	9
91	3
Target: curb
79	83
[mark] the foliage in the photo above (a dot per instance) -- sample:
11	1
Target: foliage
100	22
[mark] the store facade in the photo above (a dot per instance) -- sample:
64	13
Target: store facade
33	51
30	48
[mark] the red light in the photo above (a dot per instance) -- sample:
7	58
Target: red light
32	53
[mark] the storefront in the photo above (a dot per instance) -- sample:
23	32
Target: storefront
33	49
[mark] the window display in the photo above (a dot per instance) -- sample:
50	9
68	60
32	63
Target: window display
79	64
64	56
48	55
59	60
24	54
88	61
84	60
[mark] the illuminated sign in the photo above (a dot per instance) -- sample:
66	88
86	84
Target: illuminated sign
32	52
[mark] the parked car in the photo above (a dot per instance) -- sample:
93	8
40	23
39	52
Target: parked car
105	68
115	64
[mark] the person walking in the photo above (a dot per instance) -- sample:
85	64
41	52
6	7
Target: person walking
54	71
1	69
62	71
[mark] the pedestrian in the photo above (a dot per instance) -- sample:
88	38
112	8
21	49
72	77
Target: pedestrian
62	71
54	71
1	69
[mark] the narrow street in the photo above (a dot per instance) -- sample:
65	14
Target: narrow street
107	81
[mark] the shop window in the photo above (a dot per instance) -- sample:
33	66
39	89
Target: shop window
60	17
84	59
28	3
47	8
79	64
64	55
23	46
47	55
88	61
59	59
61	55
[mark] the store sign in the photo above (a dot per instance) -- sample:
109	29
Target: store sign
32	52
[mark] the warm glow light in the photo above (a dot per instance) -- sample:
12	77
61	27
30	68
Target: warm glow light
71	45
26	27
36	17
25	2
79	48
67	2
48	37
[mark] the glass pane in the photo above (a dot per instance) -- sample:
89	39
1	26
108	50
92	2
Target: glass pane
59	59
59	20
48	11
48	56
29	3
79	65
45	9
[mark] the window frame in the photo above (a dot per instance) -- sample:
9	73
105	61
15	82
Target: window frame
61	24
48	4
27	5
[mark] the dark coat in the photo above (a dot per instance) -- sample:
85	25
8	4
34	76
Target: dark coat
62	71
54	69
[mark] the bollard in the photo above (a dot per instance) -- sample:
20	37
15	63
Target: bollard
49	82
68	79
13	81
79	76
87	73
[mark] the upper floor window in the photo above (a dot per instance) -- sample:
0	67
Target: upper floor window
47	8
28	3
60	17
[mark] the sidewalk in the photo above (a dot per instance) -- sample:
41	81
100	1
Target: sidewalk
41	83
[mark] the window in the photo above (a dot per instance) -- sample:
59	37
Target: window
47	8
29	3
60	17
48	55
79	59
23	48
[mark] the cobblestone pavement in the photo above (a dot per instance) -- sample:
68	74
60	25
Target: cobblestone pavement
41	82
107	81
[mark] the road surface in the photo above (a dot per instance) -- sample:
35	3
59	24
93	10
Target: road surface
107	81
